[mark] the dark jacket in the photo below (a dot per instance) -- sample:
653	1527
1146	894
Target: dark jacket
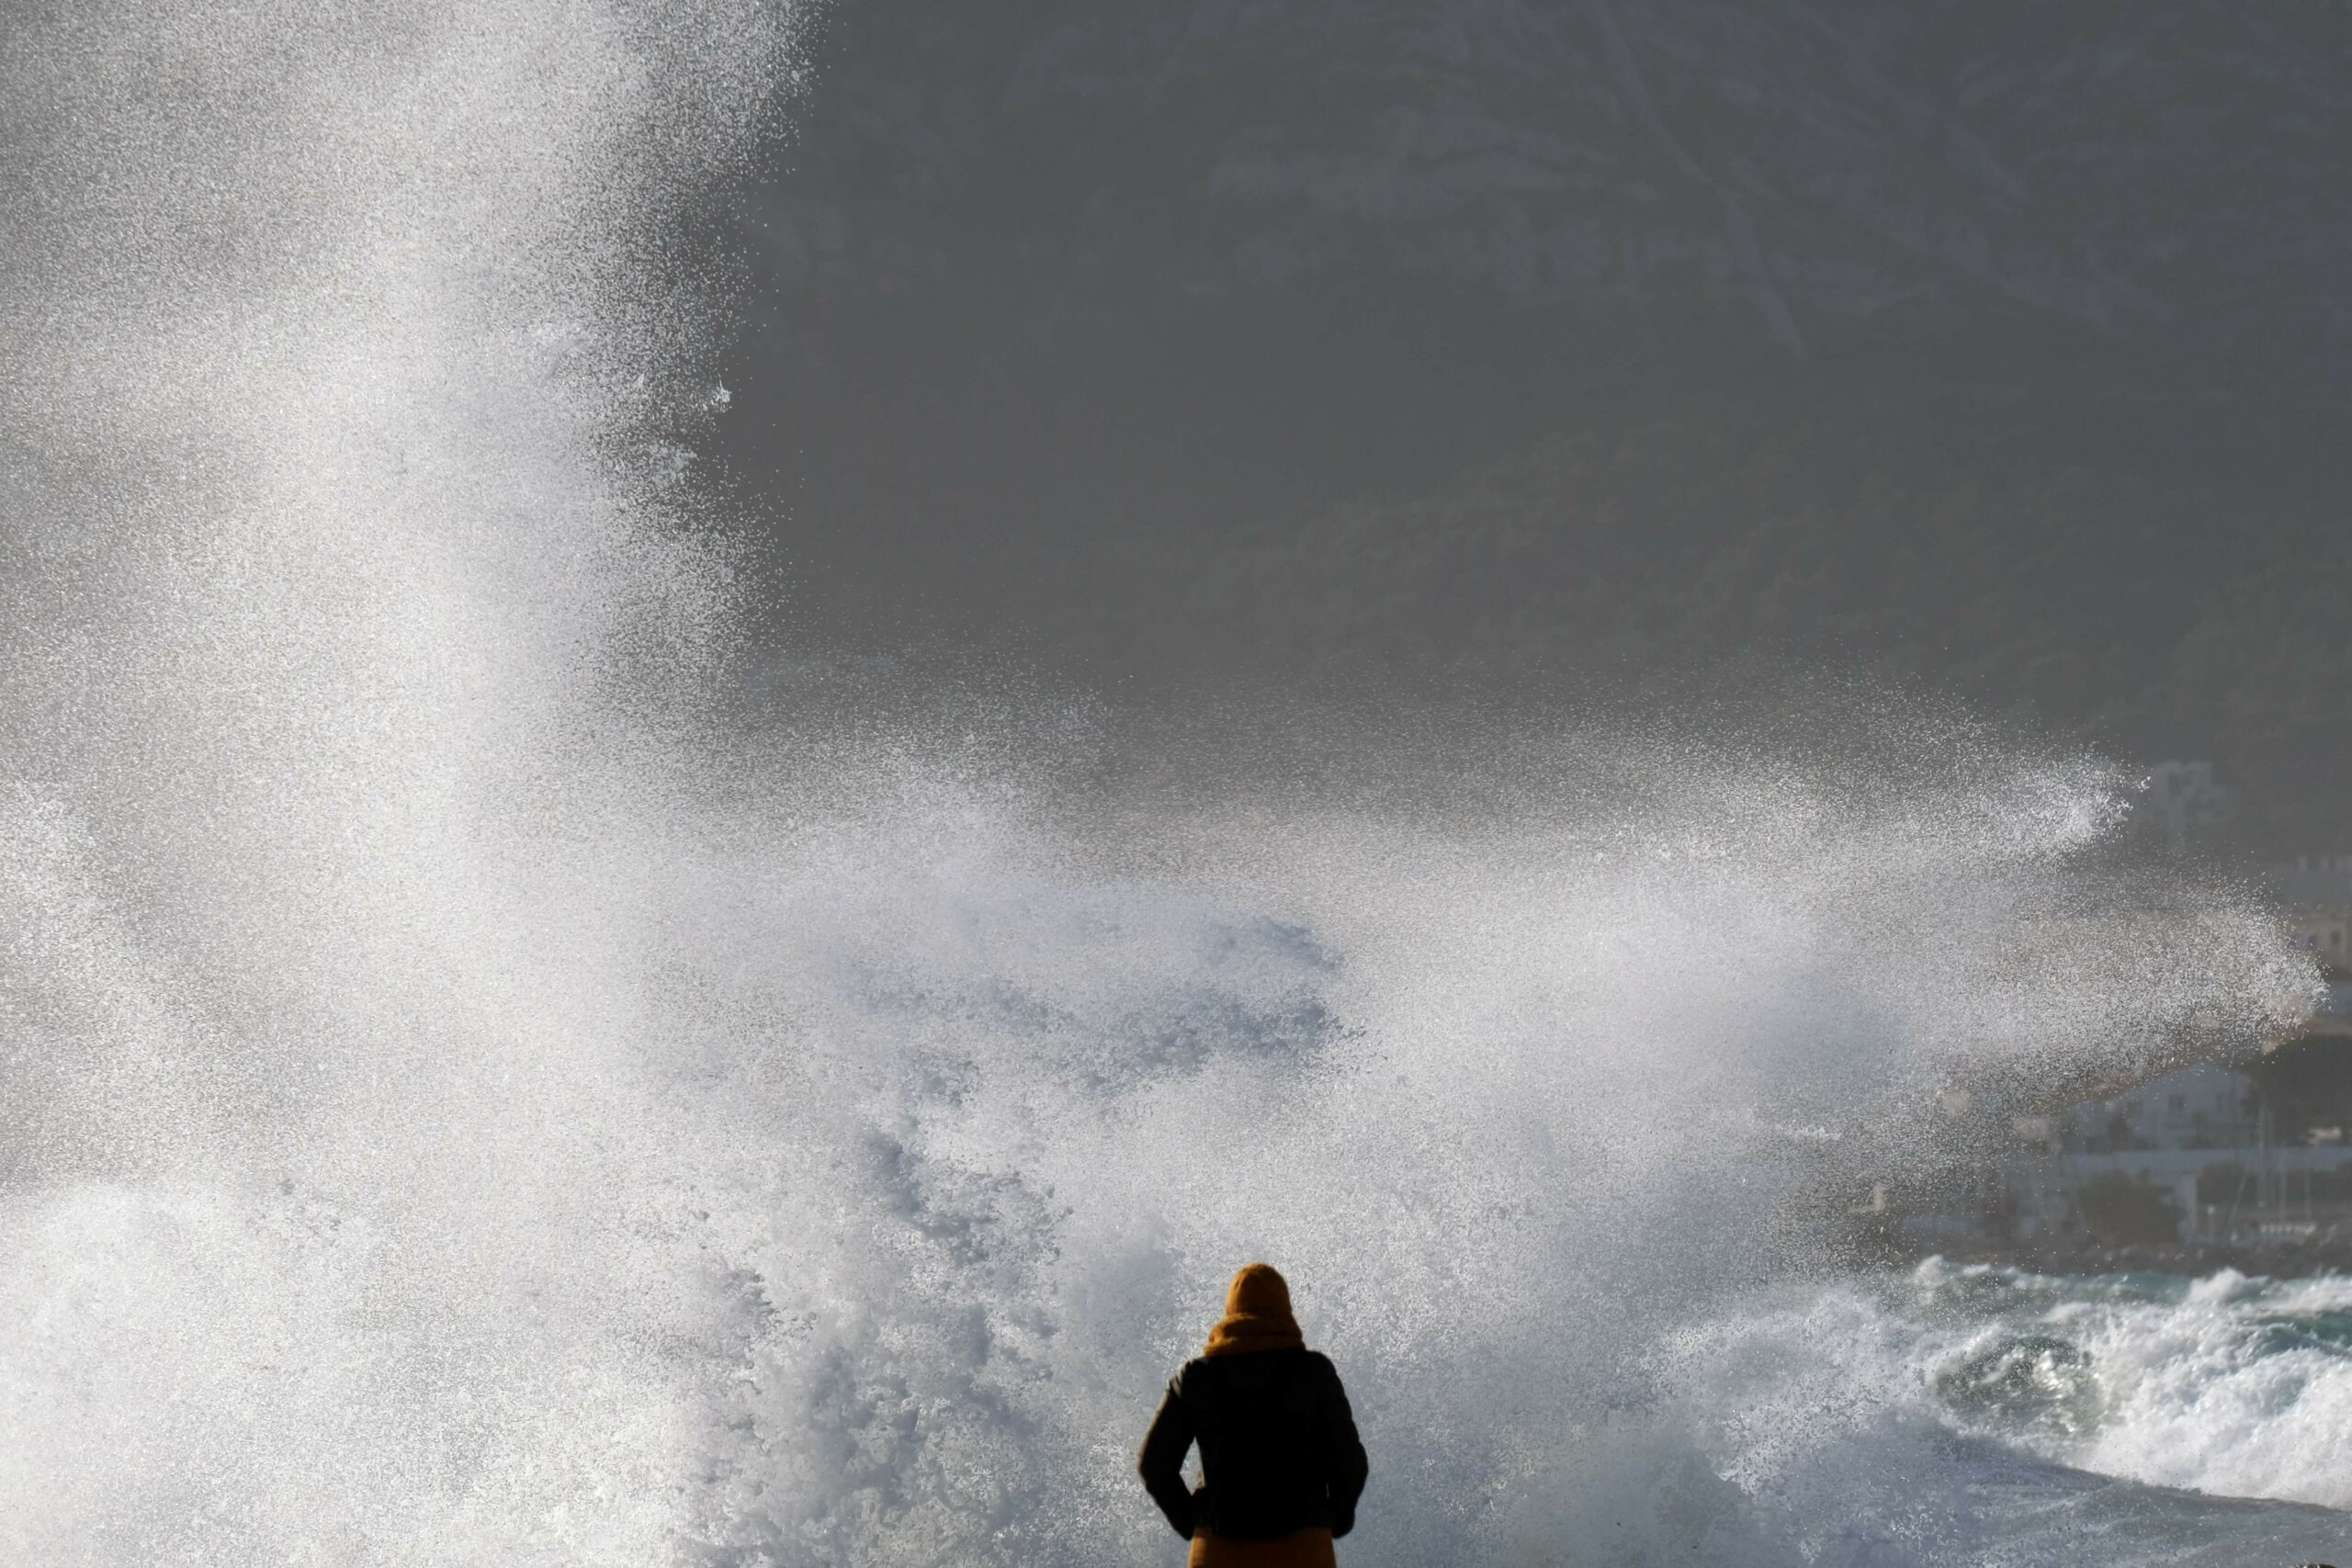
1279	1451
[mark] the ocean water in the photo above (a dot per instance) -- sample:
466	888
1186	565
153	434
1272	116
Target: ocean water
477	1088
2136	1417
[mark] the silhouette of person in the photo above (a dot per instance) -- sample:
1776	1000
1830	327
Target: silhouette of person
1281	1465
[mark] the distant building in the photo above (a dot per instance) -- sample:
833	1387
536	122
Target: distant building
2315	892
2181	804
2191	1108
2334	1017
2312	879
2200	1136
2322	933
2202	1142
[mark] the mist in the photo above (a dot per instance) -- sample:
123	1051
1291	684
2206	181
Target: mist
1565	350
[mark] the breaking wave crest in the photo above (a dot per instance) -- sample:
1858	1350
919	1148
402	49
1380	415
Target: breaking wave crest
2237	1386
2008	1406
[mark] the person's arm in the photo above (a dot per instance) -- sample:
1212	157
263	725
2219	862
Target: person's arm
1161	1462
1345	1466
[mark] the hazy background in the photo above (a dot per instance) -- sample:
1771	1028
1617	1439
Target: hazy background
1576	348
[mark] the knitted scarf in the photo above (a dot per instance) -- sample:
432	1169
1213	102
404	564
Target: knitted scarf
1257	1314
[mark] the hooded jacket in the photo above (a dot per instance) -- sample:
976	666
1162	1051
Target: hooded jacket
1279	1451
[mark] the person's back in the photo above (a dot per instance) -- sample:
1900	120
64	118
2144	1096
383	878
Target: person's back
1281	1467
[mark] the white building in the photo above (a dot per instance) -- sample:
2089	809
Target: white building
2315	892
2190	1108
2198	1135
2182	803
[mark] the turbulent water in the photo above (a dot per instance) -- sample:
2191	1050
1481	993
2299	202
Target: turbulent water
2132	1419
478	1091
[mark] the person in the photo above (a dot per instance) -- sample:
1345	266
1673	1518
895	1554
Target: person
1281	1464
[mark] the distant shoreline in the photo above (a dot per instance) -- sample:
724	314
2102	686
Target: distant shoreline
2281	1259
